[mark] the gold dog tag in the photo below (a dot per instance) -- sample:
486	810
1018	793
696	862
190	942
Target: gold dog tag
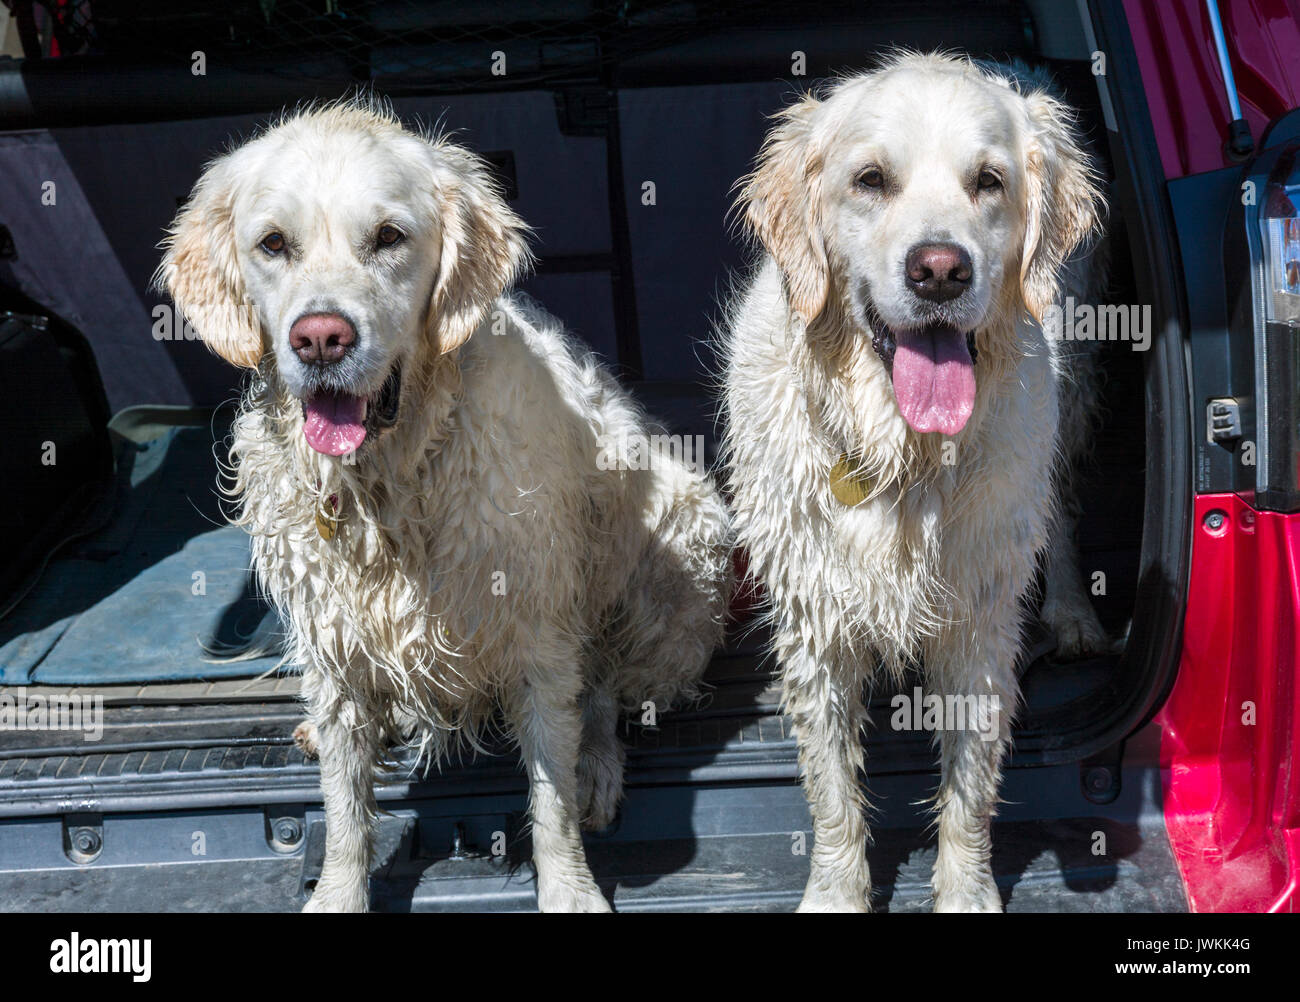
848	483
327	518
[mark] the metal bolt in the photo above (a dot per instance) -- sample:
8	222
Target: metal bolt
1215	520
288	831
1098	779
87	841
460	848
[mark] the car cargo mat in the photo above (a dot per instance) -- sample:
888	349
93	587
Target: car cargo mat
163	591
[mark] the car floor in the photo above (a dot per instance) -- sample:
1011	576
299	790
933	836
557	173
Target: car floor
714	819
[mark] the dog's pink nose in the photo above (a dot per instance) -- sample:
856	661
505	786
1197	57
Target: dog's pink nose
938	272
321	337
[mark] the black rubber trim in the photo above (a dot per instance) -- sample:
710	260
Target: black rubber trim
1149	664
627	328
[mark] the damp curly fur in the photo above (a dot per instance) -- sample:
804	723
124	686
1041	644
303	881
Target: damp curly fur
933	569
499	555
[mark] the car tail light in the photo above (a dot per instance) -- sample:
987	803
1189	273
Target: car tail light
1280	250
1273	237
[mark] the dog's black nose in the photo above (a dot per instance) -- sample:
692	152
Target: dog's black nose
321	338
938	272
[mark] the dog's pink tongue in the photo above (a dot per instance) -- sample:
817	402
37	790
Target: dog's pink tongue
934	380
334	423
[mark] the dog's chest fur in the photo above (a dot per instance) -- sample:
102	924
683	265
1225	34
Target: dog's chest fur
454	543
955	522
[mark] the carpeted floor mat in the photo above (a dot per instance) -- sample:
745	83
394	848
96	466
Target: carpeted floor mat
163	591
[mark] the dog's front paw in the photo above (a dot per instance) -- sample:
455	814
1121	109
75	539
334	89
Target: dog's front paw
1079	632
325	900
306	738
583	896
834	896
979	894
600	788
839	905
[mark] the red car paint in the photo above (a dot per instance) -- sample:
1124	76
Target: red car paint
1184	86
1231	728
1230	739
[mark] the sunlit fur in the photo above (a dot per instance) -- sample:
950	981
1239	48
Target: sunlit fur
933	568
486	555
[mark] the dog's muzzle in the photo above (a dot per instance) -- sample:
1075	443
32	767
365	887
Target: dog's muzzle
336	423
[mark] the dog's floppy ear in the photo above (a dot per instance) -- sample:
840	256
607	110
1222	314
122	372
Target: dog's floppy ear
1063	200
200	270
780	203
484	246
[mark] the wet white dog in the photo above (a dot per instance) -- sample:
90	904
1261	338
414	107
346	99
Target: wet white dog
892	408
435	482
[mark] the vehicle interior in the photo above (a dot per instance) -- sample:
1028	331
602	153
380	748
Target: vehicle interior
126	581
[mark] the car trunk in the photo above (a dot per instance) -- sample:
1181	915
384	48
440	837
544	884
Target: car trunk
618	137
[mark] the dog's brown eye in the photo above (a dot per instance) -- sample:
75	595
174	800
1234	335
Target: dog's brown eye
389	235
872	177
988	181
273	243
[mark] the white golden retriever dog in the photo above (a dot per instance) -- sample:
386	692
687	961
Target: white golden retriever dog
892	408
434	479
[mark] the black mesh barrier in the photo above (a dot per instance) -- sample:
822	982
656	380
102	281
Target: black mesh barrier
459	45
